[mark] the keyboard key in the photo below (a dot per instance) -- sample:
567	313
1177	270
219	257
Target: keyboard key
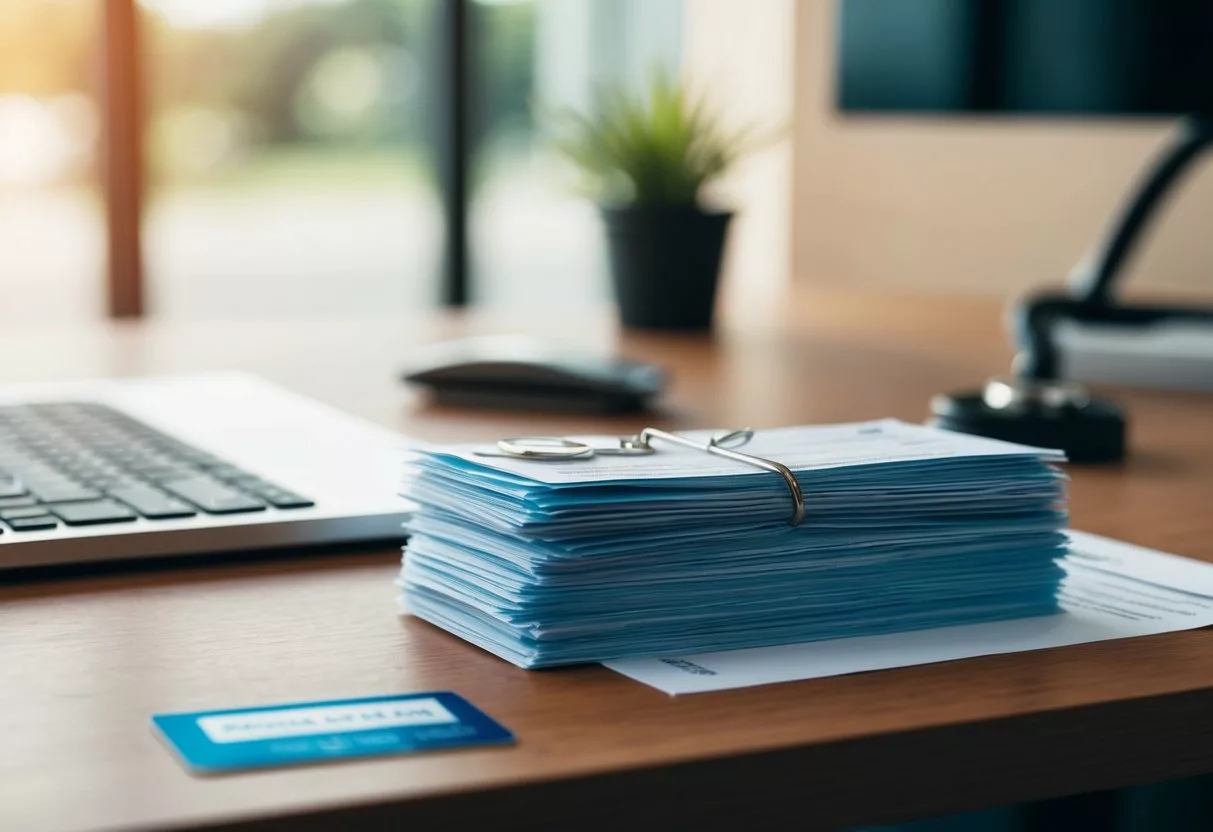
17	502
226	472
151	502
281	498
33	524
112	468
92	513
29	470
249	482
63	491
108	482
205	460
11	487
22	513
200	458
212	496
167	474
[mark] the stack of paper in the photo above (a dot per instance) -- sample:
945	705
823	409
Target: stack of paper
906	527
1112	590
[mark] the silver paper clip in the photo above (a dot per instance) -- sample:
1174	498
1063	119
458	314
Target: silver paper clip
557	449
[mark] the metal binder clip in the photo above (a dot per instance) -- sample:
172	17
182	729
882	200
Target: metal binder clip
556	449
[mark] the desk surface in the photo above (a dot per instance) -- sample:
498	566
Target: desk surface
86	660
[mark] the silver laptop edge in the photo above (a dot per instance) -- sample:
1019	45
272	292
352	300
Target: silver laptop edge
349	467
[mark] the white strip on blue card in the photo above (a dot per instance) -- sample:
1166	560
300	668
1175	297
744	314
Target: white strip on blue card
213	742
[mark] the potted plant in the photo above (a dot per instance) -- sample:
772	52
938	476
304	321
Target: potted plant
647	157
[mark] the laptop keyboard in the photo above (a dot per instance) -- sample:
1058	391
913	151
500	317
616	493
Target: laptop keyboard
84	464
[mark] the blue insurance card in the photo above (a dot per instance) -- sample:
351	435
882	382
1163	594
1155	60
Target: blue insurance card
213	742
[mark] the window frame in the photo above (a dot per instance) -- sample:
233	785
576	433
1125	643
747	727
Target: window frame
122	160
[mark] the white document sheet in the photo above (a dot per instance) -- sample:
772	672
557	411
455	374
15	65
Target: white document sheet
1113	590
811	448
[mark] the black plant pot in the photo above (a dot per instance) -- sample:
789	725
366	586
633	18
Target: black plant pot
665	264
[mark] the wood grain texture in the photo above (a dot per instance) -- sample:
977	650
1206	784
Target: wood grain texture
86	660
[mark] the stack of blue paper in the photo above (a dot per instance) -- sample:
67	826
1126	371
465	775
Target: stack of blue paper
906	527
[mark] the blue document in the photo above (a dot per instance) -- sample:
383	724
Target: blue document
211	742
905	528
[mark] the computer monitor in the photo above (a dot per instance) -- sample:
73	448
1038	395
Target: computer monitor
1033	57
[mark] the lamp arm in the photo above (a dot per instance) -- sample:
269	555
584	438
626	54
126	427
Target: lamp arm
1090	298
1094	279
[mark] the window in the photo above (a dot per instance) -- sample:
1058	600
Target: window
535	239
51	231
289	149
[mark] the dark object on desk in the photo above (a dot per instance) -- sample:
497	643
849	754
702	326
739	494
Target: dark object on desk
1046	414
520	373
665	264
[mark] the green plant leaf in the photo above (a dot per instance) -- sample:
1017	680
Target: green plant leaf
659	147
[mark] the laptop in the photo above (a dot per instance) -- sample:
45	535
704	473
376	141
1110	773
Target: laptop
115	470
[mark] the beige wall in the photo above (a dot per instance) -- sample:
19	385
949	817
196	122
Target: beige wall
741	56
991	206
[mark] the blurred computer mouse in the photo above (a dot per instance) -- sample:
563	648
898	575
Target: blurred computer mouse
524	373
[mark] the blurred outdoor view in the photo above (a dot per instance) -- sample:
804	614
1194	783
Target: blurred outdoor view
289	146
51	236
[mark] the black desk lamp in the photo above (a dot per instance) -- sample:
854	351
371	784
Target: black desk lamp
1035	406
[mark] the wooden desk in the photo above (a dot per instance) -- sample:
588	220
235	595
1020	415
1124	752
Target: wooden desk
85	661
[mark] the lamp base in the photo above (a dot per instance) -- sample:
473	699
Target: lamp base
1089	430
